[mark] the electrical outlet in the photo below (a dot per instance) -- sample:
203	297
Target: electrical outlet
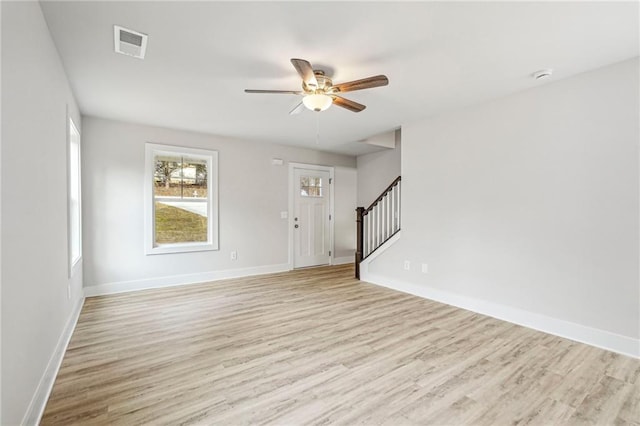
284	215
425	268
234	255
407	265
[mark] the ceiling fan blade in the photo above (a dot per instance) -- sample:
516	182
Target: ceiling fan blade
297	109
347	104
306	72
283	92
365	83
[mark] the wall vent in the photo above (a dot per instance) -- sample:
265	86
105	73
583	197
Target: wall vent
129	42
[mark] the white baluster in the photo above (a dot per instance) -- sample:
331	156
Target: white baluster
377	240
367	235
390	213
364	236
395	208
381	222
399	203
386	217
369	242
373	228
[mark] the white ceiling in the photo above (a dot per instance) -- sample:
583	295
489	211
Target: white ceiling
437	55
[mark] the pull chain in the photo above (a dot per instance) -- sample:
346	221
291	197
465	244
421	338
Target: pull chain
317	128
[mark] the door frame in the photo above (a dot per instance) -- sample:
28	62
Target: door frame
290	222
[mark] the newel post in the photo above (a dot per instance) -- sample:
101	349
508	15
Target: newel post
359	240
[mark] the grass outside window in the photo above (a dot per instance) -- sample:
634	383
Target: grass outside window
175	225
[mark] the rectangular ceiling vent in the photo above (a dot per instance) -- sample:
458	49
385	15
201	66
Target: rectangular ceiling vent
129	42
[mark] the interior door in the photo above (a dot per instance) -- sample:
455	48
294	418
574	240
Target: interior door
311	208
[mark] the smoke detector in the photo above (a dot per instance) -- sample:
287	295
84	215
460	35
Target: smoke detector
542	74
129	42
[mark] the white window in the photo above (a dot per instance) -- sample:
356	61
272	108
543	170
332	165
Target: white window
181	199
75	206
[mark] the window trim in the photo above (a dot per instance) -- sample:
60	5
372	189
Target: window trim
150	247
72	130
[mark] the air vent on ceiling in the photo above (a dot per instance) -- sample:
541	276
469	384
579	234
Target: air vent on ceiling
129	42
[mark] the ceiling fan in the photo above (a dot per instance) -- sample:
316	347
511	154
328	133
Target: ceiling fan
319	91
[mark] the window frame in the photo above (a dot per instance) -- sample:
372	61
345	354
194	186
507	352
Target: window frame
74	137
150	246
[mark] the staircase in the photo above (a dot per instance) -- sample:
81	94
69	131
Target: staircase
377	223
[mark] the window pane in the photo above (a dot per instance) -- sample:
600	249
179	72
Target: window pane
167	182
310	186
180	223
181	177
180	199
75	236
194	178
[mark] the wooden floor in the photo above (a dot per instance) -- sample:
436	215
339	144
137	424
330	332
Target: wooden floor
318	347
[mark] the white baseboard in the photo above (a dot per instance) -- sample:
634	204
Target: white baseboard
343	260
177	280
591	336
39	401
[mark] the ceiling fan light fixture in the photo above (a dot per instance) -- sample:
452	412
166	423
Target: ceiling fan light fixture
317	102
319	92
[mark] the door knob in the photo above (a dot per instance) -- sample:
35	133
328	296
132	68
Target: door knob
296	225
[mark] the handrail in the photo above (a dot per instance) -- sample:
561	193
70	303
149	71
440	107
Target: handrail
389	188
376	224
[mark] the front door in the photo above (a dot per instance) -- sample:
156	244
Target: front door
311	207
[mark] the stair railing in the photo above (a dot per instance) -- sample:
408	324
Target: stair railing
376	224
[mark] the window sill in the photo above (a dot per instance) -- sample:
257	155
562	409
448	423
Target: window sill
180	248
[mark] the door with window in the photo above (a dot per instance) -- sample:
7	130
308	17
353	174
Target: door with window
311	220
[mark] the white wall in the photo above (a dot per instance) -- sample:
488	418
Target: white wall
346	185
530	202
376	171
35	308
253	192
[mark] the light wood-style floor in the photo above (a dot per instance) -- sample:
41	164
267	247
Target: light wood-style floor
318	347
